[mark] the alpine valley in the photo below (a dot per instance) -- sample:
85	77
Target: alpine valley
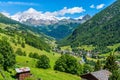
50	45
55	27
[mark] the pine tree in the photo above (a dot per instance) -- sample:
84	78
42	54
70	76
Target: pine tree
111	65
23	45
115	75
98	65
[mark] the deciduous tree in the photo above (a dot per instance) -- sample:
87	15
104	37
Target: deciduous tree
8	55
43	62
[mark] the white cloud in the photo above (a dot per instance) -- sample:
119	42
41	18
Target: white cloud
17	3
100	6
92	6
6	14
73	10
66	10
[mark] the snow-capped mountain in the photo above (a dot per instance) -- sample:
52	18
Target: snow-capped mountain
54	26
34	17
37	18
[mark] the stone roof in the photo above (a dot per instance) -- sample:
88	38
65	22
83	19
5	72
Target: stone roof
98	75
102	74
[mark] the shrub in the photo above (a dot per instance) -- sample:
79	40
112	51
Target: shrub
23	45
20	53
69	64
43	62
87	68
34	55
30	54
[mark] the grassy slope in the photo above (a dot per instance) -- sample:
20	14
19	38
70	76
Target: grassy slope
45	74
85	47
66	48
48	74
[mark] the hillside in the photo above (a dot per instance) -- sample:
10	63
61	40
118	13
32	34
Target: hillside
103	29
58	31
63	27
24	33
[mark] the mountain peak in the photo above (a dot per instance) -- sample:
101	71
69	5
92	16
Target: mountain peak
31	10
86	17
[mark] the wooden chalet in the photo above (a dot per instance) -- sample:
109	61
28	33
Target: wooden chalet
98	75
22	73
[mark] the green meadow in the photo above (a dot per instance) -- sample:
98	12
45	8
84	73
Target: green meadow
25	61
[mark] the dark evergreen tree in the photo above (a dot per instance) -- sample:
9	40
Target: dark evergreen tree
24	53
115	75
34	55
23	45
19	51
111	64
98	65
30	54
19	40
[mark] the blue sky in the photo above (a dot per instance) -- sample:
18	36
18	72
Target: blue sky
64	8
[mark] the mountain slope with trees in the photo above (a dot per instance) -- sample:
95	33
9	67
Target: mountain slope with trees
25	34
103	29
63	27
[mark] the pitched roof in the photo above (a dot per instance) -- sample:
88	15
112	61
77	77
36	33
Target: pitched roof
24	69
98	75
102	74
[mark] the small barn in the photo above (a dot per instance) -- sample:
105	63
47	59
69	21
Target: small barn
98	75
22	73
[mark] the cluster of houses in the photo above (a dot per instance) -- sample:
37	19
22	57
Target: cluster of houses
78	52
75	53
